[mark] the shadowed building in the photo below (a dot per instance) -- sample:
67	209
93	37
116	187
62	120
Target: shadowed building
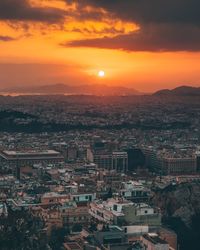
136	159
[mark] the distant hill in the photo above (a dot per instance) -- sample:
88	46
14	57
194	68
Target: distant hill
180	91
55	89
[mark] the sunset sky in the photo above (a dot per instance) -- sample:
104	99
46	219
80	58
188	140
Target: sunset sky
143	44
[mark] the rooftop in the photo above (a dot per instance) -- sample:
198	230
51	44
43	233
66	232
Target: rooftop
72	246
29	152
154	238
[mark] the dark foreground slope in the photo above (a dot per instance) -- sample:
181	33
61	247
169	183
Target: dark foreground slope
180	206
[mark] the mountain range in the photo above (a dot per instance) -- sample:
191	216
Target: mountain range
98	89
179	91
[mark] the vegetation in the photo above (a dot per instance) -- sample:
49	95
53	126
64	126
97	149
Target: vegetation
20	231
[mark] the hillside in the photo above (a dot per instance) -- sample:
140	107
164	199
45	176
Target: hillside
180	206
180	91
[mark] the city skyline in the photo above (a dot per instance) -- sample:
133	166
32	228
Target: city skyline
99	124
143	45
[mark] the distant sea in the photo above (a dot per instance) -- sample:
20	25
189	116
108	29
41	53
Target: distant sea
13	94
24	94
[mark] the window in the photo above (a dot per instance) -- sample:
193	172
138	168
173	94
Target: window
115	207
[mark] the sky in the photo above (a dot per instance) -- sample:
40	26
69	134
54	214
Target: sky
143	44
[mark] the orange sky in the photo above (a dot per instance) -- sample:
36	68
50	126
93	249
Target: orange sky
35	51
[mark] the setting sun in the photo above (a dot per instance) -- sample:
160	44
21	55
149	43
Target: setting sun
93	42
101	73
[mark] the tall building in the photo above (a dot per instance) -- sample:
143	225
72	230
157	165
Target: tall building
109	160
170	163
172	166
197	155
120	161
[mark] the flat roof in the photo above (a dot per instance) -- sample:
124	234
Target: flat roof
155	239
72	246
29	152
114	228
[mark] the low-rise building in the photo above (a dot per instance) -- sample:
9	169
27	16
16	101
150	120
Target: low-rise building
123	212
17	159
83	197
53	198
73	213
154	242
111	235
134	191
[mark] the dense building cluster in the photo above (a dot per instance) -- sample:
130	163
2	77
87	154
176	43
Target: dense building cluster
96	183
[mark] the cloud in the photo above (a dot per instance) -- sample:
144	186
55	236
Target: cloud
167	25
160	37
148	11
105	30
21	10
7	38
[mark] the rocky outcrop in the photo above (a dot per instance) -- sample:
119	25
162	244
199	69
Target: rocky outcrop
180	206
181	201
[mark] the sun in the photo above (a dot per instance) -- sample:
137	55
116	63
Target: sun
101	74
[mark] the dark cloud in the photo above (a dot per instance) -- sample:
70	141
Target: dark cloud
83	13
161	37
7	38
21	10
147	11
112	30
165	25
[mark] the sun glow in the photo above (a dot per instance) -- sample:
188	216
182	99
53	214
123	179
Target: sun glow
101	73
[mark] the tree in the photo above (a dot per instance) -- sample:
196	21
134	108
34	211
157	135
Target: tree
77	228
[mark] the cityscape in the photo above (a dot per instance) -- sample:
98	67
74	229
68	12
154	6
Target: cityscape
123	174
99	125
